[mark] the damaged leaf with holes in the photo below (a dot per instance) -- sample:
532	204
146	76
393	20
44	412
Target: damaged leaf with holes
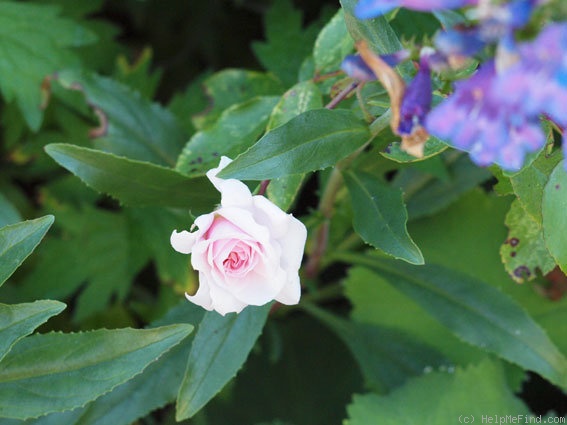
524	252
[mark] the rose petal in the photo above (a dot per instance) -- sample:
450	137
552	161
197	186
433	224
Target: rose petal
203	222
247	252
221	229
247	223
290	293
292	244
224	302
183	241
260	288
271	216
202	297
233	192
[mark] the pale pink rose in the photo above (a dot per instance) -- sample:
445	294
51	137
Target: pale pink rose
247	252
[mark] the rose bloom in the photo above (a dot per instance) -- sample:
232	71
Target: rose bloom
247	252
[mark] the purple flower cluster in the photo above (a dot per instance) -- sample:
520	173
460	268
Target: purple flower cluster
539	77
495	114
416	101
412	102
371	8
477	120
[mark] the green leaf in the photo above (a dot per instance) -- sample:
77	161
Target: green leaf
287	42
449	18
76	10
104	258
476	312
288	376
442	398
504	185
387	357
380	216
230	87
134	183
8	213
300	98
284	190
51	277
332	45
377	32
184	105
432	147
311	141
107	250
376	302
130	125
554	217
17	321
156	386
238	128
446	239
17	241
34	42
76	368
426	195
414	25
220	348
153	226
524	253
529	183
139	75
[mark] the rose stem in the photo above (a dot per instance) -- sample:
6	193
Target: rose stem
263	186
327	201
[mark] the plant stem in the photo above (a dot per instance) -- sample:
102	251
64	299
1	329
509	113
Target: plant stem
380	123
263	186
327	201
323	77
341	96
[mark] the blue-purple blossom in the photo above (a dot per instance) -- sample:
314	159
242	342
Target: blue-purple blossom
539	77
476	119
366	9
356	68
520	12
416	102
497	25
459	42
512	14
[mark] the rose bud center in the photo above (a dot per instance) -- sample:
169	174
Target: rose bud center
240	260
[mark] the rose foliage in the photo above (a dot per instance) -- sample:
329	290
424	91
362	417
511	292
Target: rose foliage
385	245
